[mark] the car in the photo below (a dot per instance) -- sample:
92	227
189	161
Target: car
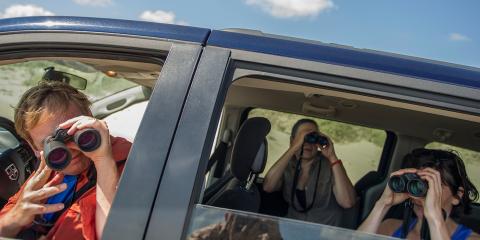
182	95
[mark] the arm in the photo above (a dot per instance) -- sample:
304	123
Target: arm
342	186
102	158
373	223
274	177
433	204
107	180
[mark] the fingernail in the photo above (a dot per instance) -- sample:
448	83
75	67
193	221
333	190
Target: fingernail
63	186
61	206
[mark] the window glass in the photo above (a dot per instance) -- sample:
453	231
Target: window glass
16	78
358	147
217	223
469	157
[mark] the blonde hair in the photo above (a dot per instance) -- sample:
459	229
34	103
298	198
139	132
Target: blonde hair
55	96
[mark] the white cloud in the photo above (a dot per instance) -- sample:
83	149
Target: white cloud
292	8
161	17
26	10
458	37
95	3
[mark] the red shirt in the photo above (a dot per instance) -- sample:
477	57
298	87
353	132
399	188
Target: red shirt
78	222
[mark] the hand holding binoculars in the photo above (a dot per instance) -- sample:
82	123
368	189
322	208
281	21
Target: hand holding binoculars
315	138
409	183
57	155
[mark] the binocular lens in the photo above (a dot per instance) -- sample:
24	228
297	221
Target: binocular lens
397	184
417	188
88	139
57	156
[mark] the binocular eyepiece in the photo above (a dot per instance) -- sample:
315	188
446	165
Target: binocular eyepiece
409	183
57	155
315	138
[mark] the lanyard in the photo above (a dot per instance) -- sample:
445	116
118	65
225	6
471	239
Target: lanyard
298	168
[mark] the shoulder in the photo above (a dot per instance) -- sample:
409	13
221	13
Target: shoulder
389	226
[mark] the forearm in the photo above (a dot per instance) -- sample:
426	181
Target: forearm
275	173
343	188
107	180
374	219
438	229
8	226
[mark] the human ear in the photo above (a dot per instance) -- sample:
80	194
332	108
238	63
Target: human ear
458	197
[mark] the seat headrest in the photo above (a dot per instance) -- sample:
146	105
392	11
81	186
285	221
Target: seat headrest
249	148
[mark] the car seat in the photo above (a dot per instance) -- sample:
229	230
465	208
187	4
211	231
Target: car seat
17	161
248	159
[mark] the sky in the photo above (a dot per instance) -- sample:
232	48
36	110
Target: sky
444	30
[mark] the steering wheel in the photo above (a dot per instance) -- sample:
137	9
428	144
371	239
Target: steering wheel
17	160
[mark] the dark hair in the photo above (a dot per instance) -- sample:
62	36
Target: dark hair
299	123
452	171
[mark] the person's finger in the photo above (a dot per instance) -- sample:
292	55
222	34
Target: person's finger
403	171
75	125
93	123
57	179
70	122
46	192
45	208
437	177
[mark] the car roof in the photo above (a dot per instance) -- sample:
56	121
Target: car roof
103	25
348	56
256	41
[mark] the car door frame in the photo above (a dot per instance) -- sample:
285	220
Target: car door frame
181	44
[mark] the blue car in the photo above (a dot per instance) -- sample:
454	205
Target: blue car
185	97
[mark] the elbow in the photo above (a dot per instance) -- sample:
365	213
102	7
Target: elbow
267	188
348	203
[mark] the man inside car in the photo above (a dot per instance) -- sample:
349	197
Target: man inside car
74	202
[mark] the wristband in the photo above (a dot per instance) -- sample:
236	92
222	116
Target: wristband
336	162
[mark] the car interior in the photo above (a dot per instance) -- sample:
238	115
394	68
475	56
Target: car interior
242	151
112	82
406	125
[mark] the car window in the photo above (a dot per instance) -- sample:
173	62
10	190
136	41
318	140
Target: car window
16	78
358	147
218	223
470	158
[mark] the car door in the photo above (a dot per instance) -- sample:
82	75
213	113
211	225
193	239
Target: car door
281	65
133	48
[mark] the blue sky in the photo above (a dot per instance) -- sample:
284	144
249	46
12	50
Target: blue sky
441	30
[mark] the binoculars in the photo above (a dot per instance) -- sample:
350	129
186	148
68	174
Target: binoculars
57	155
409	183
315	138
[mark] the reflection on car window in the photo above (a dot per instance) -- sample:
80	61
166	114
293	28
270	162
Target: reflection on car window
470	158
359	147
218	223
16	78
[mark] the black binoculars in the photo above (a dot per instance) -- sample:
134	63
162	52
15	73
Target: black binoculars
315	138
409	183
57	155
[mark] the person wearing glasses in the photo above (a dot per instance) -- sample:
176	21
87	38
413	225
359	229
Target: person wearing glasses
311	177
437	192
71	203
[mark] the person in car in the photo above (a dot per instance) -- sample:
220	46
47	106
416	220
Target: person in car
93	176
450	194
313	180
